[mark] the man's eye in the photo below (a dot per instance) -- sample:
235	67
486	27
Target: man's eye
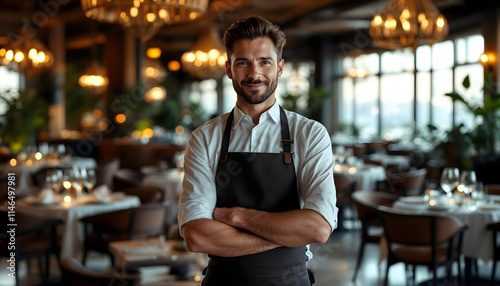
242	63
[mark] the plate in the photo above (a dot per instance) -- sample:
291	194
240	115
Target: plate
413	200
488	207
36	201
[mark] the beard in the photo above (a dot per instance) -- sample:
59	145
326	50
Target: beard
252	97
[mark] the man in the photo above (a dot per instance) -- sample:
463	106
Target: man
258	185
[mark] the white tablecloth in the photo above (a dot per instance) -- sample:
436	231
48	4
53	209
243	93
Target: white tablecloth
366	176
24	173
72	233
171	184
478	240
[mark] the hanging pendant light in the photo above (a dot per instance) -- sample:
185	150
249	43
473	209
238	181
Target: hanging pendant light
408	23
145	16
95	77
26	56
207	58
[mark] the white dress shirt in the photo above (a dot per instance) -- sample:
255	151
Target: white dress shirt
312	158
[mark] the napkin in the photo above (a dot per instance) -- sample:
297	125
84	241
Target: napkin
102	193
46	196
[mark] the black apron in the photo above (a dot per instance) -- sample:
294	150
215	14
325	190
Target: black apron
265	182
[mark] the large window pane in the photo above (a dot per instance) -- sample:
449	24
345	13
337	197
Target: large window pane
397	105
9	80
442	106
475	49
424	58
366	111
346	112
423	99
473	94
397	61
461	51
442	55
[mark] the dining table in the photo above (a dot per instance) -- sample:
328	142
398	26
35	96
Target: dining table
365	176
70	212
477	240
170	182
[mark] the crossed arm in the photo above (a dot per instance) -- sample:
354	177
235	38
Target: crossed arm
238	231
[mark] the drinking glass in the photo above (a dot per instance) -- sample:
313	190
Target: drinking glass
54	179
89	179
468	181
450	178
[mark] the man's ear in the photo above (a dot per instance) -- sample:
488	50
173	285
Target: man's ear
281	65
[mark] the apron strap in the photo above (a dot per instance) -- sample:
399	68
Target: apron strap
286	142
225	138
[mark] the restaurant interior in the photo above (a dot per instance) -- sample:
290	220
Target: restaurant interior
98	99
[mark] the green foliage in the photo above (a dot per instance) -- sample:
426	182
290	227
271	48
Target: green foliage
487	130
26	114
315	100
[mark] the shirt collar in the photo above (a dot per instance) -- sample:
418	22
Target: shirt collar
273	113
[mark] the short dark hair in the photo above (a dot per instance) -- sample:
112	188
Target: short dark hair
251	28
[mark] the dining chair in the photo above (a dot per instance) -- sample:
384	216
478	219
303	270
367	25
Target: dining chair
422	240
344	187
492	189
366	203
147	195
139	222
495	228
405	183
35	237
105	172
75	274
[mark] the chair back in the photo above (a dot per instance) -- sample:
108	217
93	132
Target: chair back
147	195
126	178
367	203
148	220
406	183
75	274
105	172
415	229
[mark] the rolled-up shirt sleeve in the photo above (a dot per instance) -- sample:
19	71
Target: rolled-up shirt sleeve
198	196
315	176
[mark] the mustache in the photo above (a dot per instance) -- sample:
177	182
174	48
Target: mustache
254	82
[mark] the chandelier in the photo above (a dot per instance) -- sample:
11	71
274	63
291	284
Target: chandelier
94	78
408	23
207	58
145	15
26	56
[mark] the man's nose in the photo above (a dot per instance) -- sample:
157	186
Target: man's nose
255	71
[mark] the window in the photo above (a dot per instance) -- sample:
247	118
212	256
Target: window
404	81
9	80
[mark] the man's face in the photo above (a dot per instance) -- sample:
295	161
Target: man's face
254	70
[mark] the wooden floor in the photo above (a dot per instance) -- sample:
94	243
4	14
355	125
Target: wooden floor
333	264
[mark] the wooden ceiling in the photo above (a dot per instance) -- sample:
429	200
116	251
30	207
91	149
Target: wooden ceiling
300	19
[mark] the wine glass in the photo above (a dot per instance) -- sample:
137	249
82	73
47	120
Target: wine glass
468	181
90	179
54	179
450	178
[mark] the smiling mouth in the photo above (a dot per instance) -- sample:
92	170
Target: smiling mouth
254	84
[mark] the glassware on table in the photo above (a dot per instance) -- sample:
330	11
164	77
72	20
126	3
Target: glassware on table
54	180
90	179
450	179
468	183
73	181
